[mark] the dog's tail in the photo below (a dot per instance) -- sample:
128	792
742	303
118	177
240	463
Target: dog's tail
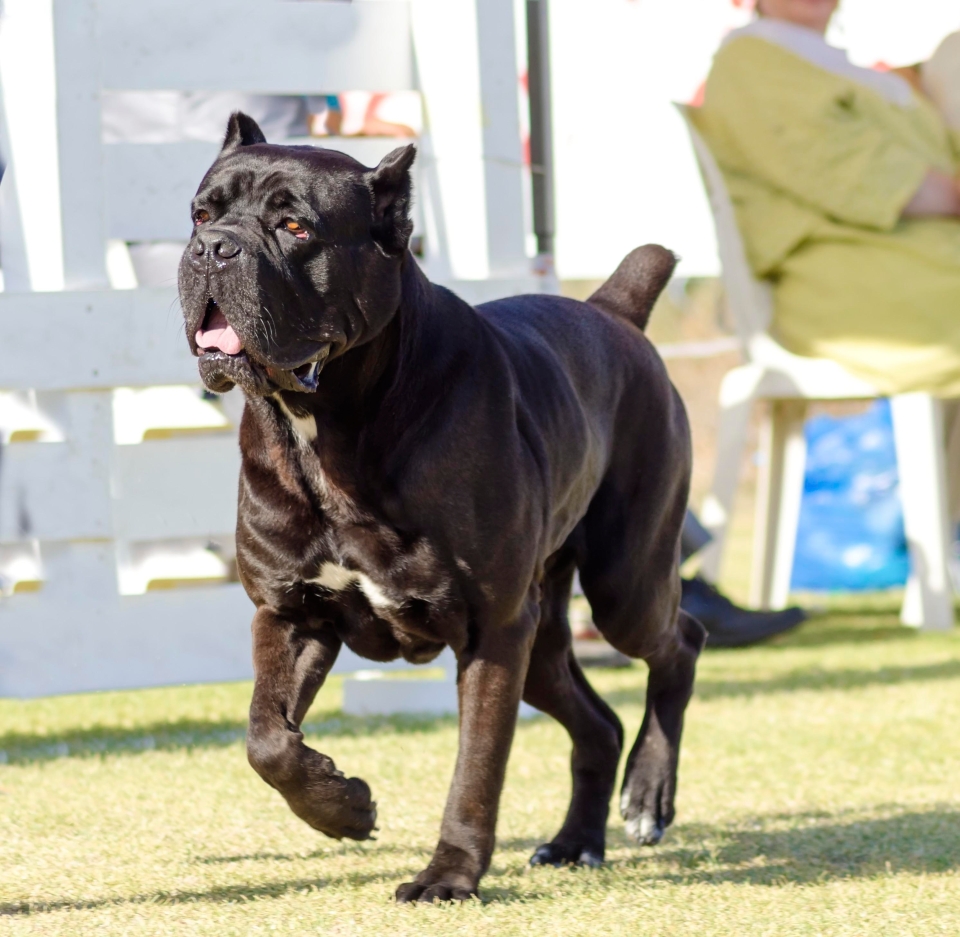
635	285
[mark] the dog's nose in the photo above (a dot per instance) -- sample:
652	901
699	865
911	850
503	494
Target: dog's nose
216	242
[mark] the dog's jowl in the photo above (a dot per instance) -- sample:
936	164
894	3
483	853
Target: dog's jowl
418	473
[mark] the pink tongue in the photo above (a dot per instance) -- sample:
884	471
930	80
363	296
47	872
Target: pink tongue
219	334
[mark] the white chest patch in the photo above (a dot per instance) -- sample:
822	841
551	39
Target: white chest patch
304	426
336	578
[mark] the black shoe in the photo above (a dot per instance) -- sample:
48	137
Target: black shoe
727	624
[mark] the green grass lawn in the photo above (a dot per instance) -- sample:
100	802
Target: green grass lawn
819	794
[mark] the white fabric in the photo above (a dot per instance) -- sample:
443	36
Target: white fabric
810	45
941	80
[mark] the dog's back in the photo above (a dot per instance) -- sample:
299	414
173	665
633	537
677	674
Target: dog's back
594	350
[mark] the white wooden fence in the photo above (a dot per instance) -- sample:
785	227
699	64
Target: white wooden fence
82	516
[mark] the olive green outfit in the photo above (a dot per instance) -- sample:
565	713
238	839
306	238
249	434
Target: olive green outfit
819	168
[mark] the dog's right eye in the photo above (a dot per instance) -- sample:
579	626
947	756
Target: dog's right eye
296	229
200	216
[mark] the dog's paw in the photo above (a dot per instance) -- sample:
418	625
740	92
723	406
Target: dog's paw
645	828
341	808
427	889
646	799
561	853
645	821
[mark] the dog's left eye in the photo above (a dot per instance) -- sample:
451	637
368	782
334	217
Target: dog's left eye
296	229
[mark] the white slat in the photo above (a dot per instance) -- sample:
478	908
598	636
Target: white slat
78	635
124	338
47	491
149	187
186	45
61	490
184	487
99	339
78	136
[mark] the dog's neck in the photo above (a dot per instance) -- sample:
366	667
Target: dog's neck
351	386
369	396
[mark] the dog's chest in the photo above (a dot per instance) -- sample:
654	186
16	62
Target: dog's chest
359	555
336	578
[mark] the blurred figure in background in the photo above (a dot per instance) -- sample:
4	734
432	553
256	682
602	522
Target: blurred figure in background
844	182
843	178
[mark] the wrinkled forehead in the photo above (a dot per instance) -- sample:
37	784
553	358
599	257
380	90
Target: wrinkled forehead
265	176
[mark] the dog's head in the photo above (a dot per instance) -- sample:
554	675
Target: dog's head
295	258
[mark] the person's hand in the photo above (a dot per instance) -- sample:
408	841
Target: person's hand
938	195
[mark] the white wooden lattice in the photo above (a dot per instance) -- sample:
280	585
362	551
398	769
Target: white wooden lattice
74	503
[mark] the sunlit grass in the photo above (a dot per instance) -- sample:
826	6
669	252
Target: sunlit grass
819	794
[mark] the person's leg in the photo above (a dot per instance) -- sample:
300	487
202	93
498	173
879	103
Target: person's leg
728	624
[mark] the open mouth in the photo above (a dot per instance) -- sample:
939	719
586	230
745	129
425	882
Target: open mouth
223	358
215	333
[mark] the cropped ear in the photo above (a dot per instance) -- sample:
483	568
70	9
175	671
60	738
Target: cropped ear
390	187
241	131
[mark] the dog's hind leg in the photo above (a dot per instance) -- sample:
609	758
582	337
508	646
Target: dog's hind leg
650	776
557	686
291	661
670	651
630	577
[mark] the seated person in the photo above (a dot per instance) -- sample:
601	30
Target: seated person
843	179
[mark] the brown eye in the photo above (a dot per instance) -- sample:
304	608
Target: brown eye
199	217
295	228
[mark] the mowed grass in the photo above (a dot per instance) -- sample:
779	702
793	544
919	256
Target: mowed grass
819	794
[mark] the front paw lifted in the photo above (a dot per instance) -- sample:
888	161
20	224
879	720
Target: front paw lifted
336	806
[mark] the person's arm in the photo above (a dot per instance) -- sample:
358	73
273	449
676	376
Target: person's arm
937	195
810	136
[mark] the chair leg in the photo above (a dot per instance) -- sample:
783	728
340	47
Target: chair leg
736	402
779	491
919	436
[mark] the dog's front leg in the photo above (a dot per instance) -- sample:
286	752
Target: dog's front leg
490	684
291	661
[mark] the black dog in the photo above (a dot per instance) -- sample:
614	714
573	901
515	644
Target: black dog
419	473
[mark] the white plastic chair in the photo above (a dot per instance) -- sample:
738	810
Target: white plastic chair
789	383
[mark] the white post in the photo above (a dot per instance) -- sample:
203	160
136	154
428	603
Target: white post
78	136
779	494
471	148
29	109
736	402
921	461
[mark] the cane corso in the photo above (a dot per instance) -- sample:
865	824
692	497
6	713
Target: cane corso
419	474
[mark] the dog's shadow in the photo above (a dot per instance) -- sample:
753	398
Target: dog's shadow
810	678
816	849
188	734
